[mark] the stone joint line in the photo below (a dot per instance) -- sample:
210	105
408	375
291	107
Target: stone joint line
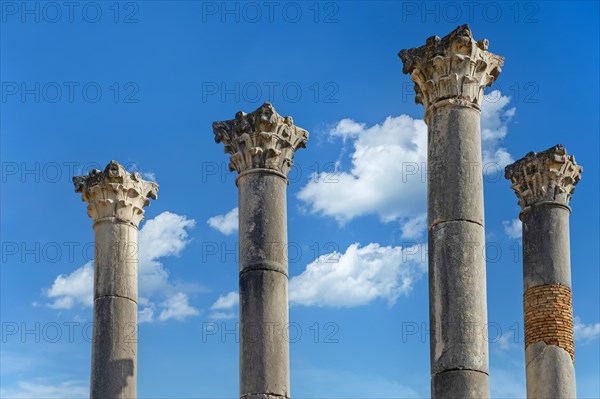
454	220
114	296
549	316
263	395
459	369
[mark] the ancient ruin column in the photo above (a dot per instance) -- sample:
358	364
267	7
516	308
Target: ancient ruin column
262	145
115	200
544	183
449	75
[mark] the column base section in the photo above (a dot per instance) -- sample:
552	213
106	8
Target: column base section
464	384
263	396
550	372
114	349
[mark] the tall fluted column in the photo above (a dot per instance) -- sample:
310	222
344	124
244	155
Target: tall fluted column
115	200
262	145
544	183
450	74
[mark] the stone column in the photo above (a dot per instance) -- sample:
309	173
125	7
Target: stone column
262	145
450	74
544	183
115	200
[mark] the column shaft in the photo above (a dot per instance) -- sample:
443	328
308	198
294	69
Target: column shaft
457	276
116	201
547	302
114	344
264	346
450	74
262	145
544	183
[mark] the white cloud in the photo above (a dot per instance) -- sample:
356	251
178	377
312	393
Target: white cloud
513	228
223	306
415	227
151	176
36	389
165	235
359	276
227	301
223	315
388	176
507	341
227	223
74	289
146	314
495	118
177	307
585	332
396	148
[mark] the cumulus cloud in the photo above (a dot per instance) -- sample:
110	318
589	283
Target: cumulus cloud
495	117
507	341
227	223
585	332
387	176
227	301
359	276
395	148
73	289
151	176
40	389
177	307
223	306
513	228
165	235
415	227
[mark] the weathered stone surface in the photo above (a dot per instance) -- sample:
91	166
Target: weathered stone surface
457	297
450	74
114	349
115	193
261	139
262	145
116	260
263	222
464	384
549	175
455	68
550	372
264	359
454	169
546	246
264	343
544	183
116	201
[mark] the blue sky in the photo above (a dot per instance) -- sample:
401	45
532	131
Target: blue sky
141	83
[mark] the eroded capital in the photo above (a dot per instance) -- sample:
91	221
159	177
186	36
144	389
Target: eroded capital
550	175
455	67
261	139
115	193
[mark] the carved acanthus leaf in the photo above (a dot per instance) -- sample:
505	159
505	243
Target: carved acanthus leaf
261	139
549	175
116	193
453	67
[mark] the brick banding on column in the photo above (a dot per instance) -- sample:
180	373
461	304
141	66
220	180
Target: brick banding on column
549	316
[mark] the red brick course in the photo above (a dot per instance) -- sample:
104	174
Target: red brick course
549	316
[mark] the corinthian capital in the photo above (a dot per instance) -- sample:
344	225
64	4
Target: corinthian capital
115	193
455	67
549	175
261	139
